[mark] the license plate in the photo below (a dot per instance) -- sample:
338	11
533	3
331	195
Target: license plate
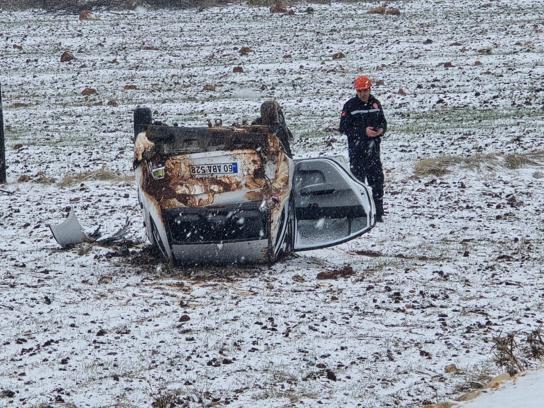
215	169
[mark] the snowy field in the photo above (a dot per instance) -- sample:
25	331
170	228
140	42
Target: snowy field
457	262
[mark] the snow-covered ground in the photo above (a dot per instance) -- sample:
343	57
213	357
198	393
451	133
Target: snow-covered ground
525	392
457	262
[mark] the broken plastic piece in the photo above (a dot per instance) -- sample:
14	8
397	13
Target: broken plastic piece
69	232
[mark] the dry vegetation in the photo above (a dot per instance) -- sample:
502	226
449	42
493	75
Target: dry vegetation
102	174
440	166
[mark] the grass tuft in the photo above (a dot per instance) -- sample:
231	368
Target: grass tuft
440	166
101	175
516	161
435	167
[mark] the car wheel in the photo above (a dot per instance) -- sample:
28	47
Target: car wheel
142	118
270	115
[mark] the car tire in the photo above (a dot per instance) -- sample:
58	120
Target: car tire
270	113
142	118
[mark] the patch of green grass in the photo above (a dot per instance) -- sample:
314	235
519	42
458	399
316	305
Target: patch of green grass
303	132
15	134
465	118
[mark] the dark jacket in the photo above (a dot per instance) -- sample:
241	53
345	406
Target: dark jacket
357	116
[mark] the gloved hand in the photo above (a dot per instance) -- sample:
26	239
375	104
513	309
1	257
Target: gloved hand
373	132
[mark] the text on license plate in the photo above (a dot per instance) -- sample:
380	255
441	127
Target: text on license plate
213	169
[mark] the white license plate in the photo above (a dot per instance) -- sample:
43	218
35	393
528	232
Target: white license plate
215	169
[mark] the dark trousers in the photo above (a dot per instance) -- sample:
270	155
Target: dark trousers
365	164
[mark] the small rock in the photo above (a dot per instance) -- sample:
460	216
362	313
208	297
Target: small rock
338	55
448	65
67	56
86	15
105	280
89	91
331	375
451	369
244	50
101	332
213	363
209	87
392	11
130	87
377	10
428	41
402	92
184	318
238	69
7	394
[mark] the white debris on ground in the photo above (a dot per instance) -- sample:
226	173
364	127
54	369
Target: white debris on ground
457	262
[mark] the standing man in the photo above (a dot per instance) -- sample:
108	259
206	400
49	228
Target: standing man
364	124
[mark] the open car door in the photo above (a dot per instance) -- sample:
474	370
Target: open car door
331	205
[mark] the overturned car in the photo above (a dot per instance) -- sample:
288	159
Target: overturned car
233	194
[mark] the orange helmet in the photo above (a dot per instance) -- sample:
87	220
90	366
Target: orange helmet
362	82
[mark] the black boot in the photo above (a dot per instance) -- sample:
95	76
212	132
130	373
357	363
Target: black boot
379	210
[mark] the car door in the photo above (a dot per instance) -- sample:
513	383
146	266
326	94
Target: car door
331	205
